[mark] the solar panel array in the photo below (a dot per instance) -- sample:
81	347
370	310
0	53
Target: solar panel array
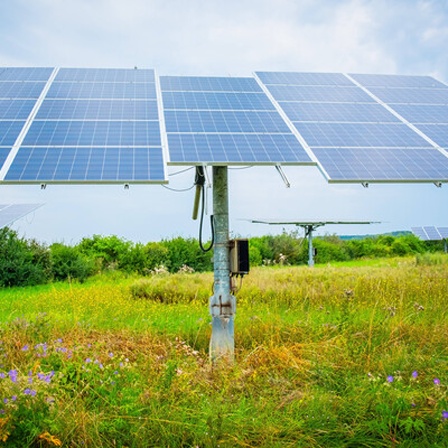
225	121
124	125
431	233
354	133
92	125
12	212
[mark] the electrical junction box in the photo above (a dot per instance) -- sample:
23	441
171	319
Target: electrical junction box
239	256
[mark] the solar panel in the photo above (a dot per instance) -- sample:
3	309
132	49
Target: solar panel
430	233
225	121
349	123
20	87
124	125
93	125
12	212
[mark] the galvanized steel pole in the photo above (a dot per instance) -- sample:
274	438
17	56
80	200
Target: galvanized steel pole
222	303
310	247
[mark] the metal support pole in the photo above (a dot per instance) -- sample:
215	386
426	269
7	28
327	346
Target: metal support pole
310	246
222	303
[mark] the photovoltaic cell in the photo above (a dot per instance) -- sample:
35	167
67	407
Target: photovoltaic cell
361	130
225	121
94	125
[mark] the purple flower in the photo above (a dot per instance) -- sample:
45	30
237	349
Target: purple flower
2	375
5	400
436	381
25	348
29	391
14	398
88	360
13	375
444	414
414	374
390	379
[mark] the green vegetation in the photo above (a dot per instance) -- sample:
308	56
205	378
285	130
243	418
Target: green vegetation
26	263
336	356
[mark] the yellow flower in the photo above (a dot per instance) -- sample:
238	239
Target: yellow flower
50	439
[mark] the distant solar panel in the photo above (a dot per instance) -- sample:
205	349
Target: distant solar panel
93	125
12	212
349	124
225	121
431	233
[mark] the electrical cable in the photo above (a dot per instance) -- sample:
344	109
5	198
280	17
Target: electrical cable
212	225
182	190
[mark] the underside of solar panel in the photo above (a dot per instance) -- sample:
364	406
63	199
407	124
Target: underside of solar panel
80	125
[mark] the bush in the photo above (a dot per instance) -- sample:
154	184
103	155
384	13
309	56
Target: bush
69	263
22	263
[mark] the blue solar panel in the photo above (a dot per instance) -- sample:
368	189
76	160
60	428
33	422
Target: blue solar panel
231	149
104	75
208	84
423	113
304	79
227	122
411	96
87	164
216	101
100	90
21	90
12	212
224	121
430	233
9	130
330	94
338	112
356	137
382	164
25	73
437	133
399	81
15	110
98	110
360	135
94	125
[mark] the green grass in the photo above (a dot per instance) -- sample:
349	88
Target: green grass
336	356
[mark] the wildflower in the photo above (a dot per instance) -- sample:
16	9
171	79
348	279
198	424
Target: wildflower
29	391
25	348
13	375
414	374
5	400
88	360
436	381
111	355
390	379
444	414
14	398
2	375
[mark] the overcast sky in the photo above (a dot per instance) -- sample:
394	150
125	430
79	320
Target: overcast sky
221	38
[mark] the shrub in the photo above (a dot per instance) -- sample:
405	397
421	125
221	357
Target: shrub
22	263
69	263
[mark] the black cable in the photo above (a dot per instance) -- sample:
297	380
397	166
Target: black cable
212	224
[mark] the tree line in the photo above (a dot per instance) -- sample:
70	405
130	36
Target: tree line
25	262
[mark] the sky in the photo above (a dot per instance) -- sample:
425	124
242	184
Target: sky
226	38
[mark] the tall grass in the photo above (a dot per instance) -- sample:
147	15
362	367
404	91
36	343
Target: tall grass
337	356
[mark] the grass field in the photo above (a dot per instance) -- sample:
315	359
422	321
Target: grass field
335	356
